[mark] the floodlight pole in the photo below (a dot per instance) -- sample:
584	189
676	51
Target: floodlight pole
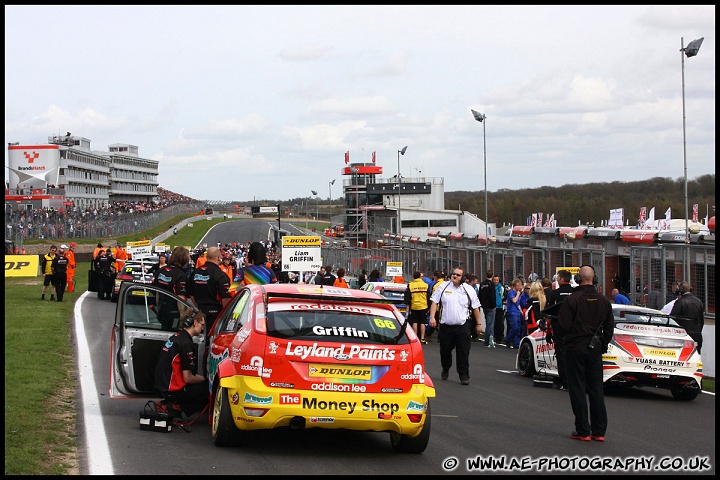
278	209
399	227
316	206
481	118
691	50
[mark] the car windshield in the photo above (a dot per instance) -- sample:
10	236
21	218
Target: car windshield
335	326
396	296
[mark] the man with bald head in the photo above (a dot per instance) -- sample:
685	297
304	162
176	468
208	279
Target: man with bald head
208	286
585	325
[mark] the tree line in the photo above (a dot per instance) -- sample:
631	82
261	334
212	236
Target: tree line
591	203
572	204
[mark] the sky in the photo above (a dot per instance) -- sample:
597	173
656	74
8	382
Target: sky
243	103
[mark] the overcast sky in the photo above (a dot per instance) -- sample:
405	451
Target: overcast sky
249	102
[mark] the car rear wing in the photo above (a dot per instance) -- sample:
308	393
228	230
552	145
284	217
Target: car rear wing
328	298
650	318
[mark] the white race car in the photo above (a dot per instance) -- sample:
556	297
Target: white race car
648	349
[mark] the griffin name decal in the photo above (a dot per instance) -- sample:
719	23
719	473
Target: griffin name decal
339	332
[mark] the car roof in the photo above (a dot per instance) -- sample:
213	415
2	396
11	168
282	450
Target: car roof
388	285
309	290
633	308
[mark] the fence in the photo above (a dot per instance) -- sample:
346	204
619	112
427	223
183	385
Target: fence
39	224
664	262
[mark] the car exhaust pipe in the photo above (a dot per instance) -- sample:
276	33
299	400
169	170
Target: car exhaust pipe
297	423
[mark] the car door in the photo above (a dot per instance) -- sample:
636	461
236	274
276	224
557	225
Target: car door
138	338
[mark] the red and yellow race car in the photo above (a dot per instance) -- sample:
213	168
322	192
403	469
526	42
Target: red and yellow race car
298	356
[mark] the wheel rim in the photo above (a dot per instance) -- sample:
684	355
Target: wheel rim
524	358
217	406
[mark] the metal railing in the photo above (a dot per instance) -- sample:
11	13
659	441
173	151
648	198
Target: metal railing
647	263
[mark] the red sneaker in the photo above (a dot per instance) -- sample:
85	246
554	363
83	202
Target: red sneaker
576	436
598	438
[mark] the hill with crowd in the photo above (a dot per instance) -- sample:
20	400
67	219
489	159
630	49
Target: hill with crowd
118	218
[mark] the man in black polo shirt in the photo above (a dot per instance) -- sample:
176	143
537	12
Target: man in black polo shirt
208	286
557	296
59	270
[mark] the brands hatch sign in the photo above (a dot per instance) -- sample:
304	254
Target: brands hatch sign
301	254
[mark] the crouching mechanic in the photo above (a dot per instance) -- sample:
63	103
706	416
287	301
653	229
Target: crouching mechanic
176	375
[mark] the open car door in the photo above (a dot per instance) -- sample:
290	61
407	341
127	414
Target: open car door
146	316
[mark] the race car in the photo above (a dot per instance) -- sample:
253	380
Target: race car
137	271
648	349
390	290
290	355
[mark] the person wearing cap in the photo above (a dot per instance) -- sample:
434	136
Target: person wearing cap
72	265
59	270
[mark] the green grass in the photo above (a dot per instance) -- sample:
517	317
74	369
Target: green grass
40	410
40	433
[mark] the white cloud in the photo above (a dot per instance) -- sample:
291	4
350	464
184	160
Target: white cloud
262	102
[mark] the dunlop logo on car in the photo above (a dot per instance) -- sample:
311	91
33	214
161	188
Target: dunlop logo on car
656	352
348	371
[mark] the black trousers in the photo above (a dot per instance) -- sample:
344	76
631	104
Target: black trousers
107	282
60	281
193	398
455	337
585	377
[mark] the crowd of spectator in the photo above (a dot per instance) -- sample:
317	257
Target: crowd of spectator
118	218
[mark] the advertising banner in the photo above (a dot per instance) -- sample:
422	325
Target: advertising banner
301	254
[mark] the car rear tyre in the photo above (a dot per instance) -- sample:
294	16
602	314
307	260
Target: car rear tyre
526	360
686	393
224	431
405	444
113	298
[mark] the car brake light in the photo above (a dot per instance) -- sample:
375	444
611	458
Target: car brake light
619	337
260	319
415	417
255	412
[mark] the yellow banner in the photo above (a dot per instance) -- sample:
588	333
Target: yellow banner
572	270
21	265
301	241
141	243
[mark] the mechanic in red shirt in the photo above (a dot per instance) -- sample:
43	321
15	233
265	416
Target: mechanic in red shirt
176	375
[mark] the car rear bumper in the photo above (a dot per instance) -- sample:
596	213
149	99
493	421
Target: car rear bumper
403	413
